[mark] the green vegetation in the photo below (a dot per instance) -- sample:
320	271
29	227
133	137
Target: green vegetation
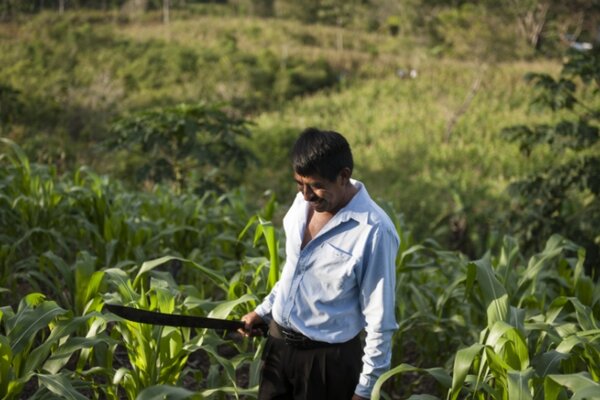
511	327
144	156
490	327
564	196
75	242
188	146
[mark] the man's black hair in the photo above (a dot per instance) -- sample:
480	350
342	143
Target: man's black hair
323	153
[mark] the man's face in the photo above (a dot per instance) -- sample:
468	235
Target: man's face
322	194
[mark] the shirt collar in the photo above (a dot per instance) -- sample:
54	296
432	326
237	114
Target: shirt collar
357	208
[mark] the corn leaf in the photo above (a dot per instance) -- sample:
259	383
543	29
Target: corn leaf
167	392
21	158
438	373
32	321
5	365
224	309
269	233
65	351
548	362
462	364
59	333
580	384
587	393
231	390
61	386
518	384
494	294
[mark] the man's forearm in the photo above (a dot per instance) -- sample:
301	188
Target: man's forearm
376	361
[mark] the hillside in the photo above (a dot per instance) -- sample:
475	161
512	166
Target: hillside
428	145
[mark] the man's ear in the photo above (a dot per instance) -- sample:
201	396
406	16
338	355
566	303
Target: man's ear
345	175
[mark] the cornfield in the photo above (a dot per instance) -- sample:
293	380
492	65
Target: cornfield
504	326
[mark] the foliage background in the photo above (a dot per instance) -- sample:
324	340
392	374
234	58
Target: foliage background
134	130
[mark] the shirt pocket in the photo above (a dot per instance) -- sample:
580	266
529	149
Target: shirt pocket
333	272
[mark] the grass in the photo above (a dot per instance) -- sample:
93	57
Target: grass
282	37
429	145
399	132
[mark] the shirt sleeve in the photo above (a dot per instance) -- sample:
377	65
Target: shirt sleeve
264	309
377	301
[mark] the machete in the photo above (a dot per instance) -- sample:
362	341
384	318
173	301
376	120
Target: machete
156	318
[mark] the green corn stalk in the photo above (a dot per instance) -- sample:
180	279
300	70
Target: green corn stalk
439	374
524	352
158	354
155	353
222	378
37	341
267	231
208	341
160	392
510	336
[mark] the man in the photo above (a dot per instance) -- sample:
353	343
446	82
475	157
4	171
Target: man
338	280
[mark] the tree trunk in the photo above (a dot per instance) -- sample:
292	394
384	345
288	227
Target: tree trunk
538	25
340	35
134	8
531	22
466	103
166	12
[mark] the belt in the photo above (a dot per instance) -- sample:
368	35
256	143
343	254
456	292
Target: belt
295	339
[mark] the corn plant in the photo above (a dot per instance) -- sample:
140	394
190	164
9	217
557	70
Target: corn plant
433	317
539	338
36	342
264	228
155	353
158	355
257	275
51	225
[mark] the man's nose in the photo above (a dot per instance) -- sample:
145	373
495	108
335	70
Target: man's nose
307	192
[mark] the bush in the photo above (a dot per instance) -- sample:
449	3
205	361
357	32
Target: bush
470	32
273	80
187	146
564	195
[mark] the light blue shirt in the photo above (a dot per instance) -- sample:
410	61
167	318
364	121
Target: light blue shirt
342	282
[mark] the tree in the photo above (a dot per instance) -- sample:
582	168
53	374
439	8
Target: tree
564	197
531	17
536	20
188	146
11	107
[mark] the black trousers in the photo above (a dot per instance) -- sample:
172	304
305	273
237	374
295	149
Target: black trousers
324	373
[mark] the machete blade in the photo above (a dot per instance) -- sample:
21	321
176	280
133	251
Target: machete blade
157	318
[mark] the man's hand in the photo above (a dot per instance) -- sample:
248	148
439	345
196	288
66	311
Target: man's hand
252	320
357	397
